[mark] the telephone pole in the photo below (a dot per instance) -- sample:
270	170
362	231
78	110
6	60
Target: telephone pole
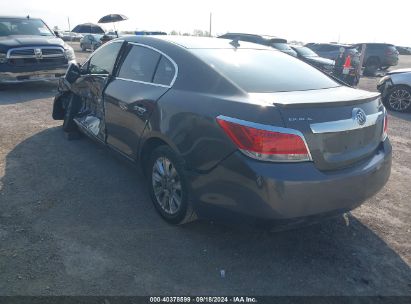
211	21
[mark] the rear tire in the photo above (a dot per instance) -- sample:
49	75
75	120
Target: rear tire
371	67
168	186
82	47
399	99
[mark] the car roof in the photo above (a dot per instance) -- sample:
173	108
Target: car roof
335	44
18	17
190	42
375	44
266	37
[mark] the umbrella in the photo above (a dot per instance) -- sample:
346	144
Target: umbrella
89	28
112	18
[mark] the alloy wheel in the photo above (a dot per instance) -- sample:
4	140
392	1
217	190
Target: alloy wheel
166	184
400	99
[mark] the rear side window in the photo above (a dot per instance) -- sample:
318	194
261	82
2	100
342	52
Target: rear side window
392	49
165	72
104	59
140	64
265	71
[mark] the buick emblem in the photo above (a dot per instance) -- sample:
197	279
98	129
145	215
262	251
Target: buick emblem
359	116
38	53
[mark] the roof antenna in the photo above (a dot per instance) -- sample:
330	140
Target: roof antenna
235	43
28	17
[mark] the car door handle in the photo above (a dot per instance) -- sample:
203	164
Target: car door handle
140	110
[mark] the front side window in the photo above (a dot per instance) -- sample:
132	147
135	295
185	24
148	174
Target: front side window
140	64
104	59
20	26
265	71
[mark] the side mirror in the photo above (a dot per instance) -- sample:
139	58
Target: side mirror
73	73
57	34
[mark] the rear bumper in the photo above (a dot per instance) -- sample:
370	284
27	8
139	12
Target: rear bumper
273	191
28	74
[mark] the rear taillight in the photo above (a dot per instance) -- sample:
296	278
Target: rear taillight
385	127
264	142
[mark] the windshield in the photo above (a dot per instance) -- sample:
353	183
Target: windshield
18	26
304	51
265	71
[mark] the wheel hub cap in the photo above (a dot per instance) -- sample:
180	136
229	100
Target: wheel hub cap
166	185
400	100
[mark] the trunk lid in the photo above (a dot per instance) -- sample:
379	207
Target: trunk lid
333	123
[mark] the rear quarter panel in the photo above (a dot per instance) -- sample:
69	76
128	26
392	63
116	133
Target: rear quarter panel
187	121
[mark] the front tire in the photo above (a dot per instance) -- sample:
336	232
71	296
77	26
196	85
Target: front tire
71	108
399	99
168	186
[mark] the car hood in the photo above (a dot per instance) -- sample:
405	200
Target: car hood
399	71
320	60
9	42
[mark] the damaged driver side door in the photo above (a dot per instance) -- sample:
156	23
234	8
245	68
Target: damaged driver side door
96	73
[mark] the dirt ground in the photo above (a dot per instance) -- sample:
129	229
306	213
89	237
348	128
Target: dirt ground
74	220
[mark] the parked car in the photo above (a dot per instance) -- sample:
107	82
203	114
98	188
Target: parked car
395	88
378	56
332	50
90	42
309	56
30	51
149	33
403	50
275	42
70	36
221	129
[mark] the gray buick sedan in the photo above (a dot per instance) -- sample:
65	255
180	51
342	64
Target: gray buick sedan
230	128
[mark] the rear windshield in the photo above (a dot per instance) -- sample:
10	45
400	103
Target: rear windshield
281	46
265	71
20	26
305	51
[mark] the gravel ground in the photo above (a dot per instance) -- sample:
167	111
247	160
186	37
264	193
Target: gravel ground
74	220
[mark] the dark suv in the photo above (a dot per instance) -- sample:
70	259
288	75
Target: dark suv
332	50
30	51
378	56
274	42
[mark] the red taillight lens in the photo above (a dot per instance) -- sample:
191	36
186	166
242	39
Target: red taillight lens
260	142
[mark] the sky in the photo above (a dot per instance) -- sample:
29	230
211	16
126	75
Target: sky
346	21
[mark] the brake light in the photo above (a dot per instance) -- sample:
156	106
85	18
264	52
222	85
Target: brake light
265	142
385	127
